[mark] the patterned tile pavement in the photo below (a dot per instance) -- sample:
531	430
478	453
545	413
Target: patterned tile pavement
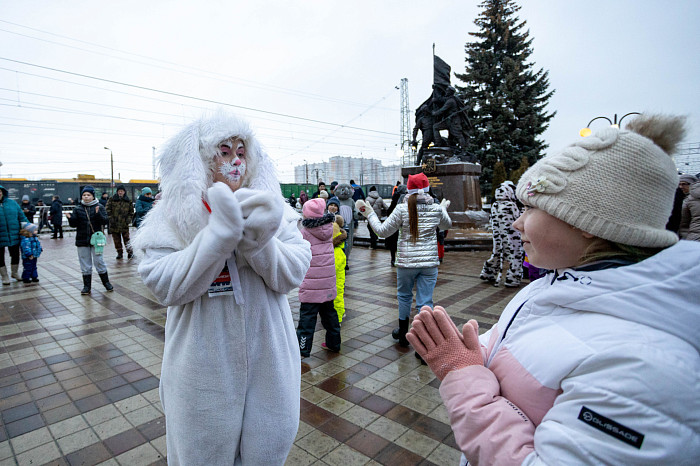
79	374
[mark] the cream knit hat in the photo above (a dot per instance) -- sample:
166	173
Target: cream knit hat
616	184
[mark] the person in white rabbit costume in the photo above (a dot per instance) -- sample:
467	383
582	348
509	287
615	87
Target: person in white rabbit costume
222	250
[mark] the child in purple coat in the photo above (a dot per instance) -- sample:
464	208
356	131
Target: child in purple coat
318	290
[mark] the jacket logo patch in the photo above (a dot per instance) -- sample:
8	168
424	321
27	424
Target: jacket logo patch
610	427
584	279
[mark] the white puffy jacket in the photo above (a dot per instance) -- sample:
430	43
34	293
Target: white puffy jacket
589	367
424	252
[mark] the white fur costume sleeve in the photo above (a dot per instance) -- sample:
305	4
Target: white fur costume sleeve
283	261
178	277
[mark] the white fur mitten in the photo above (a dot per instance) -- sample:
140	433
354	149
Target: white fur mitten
364	208
262	215
226	218
445	204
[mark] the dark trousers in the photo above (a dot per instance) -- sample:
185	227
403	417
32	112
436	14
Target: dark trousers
117	237
14	254
307	326
44	223
29	269
57	229
372	237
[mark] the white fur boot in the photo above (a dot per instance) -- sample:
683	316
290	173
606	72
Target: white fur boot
3	274
15	272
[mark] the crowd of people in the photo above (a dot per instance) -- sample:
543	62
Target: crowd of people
19	232
596	362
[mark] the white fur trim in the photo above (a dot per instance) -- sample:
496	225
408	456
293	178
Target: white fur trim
186	163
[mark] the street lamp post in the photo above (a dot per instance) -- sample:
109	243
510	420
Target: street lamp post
111	165
614	123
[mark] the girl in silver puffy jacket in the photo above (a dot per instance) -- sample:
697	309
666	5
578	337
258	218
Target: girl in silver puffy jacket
417	252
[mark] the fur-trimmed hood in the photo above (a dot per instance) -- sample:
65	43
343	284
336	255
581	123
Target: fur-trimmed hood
318	221
186	163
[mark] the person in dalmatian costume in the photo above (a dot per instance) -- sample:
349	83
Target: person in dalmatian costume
507	246
222	249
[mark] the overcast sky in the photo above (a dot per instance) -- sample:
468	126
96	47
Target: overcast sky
317	78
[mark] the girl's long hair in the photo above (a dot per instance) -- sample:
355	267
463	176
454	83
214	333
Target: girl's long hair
413	216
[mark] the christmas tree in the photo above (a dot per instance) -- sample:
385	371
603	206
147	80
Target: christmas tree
505	96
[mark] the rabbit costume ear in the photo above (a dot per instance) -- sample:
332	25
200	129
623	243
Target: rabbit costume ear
186	162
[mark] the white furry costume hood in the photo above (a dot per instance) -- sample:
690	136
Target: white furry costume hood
186	163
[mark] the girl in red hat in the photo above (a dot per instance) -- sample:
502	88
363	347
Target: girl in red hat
417	253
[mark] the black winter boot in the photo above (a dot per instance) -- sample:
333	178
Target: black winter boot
105	281
403	330
420	359
87	284
399	333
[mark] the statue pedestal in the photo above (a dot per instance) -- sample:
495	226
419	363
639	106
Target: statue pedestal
458	182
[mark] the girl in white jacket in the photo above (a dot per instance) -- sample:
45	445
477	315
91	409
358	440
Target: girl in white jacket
221	249
597	362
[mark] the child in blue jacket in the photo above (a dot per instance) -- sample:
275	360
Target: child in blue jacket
31	250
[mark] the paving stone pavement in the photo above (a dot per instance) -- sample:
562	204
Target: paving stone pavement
79	374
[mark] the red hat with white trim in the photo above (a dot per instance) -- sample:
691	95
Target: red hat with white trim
417	183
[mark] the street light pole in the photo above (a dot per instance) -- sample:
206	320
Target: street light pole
614	123
154	162
111	165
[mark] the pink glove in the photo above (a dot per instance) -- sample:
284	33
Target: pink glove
436	338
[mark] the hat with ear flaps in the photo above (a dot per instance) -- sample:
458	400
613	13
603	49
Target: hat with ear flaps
617	185
186	162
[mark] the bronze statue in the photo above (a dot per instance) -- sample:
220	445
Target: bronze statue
443	110
452	117
424	122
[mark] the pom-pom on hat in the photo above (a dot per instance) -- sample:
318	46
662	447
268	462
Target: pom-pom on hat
418	183
88	189
617	185
314	208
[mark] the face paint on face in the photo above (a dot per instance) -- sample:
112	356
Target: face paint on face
230	163
233	171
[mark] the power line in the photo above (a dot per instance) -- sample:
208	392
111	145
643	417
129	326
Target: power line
296	124
175	94
332	132
67	110
150	61
81	129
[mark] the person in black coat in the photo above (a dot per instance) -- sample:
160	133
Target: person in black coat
56	213
392	241
87	218
28	209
